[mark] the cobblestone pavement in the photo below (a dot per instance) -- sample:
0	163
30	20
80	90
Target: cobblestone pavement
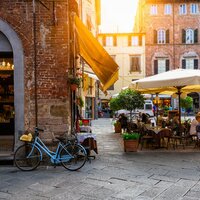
144	175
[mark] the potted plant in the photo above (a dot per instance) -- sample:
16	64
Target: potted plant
75	82
117	126
131	141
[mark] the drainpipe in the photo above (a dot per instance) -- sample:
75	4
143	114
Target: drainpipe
35	63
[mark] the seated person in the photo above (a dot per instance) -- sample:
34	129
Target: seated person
194	123
124	122
160	119
145	118
198	126
175	124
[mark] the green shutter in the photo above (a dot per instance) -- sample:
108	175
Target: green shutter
196	36
155	66
155	37
167	36
183	63
196	64
167	65
183	36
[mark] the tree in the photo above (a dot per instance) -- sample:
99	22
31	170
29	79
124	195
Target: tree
127	99
115	104
186	103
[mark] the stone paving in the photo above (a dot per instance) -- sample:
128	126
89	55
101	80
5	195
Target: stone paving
113	175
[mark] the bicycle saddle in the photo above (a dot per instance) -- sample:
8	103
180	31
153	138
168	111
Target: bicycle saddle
61	139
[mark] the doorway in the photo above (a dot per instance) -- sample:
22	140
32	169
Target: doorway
12	89
7	109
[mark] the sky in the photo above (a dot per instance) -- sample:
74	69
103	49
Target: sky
117	15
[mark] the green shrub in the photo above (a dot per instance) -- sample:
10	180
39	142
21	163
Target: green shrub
130	136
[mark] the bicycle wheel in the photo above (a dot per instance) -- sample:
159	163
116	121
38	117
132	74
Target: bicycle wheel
27	157
76	155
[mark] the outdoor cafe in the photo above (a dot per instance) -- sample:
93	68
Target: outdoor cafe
172	132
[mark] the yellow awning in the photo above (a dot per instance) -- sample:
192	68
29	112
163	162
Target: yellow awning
95	55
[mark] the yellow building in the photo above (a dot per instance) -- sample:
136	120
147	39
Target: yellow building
128	51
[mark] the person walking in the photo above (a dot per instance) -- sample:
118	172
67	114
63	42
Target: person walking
124	122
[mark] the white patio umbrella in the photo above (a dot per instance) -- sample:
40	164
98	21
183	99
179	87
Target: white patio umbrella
175	81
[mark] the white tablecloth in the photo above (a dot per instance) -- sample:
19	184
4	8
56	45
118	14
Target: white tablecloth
86	129
82	136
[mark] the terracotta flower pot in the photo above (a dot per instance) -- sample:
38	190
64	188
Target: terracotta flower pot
118	128
131	145
73	87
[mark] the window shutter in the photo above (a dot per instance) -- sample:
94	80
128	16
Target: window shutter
196	64
131	64
167	65
140	40
104	40
183	63
196	36
114	40
167	36
183	36
129	40
155	36
155	66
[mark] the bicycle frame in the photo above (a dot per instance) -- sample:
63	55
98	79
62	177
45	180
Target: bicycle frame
55	156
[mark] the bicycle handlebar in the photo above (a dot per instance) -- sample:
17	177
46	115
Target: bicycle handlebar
39	129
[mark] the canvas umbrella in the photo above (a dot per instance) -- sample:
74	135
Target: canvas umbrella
175	81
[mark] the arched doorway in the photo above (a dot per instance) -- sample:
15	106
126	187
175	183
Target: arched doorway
12	87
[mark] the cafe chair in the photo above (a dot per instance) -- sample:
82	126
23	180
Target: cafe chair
90	144
165	135
147	138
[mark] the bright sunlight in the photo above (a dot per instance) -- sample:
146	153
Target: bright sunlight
117	15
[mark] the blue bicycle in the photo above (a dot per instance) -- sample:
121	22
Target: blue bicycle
69	153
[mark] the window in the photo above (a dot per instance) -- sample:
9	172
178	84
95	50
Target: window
194	8
161	65
161	37
135	62
190	36
182	9
168	9
134	41
153	10
109	41
190	63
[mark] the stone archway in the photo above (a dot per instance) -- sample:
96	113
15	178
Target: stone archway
18	58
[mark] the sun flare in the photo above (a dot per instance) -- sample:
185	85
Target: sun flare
118	15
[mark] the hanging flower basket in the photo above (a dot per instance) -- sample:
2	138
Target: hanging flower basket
75	82
73	87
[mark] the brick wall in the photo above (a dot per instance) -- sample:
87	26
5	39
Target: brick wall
175	49
52	60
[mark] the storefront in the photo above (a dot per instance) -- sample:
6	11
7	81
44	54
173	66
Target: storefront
6	100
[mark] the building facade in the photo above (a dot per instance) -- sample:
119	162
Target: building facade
35	60
128	50
39	54
88	12
172	35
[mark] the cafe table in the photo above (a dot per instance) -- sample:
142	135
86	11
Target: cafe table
89	140
86	129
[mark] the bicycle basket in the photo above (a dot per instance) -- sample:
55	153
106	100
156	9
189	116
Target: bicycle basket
26	138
